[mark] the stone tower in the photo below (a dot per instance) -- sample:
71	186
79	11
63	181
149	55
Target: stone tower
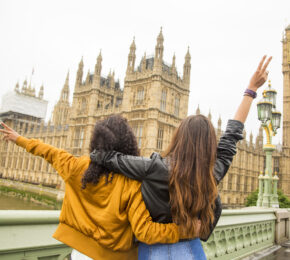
60	114
94	98
155	97
286	112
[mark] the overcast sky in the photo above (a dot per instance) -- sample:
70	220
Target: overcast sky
227	38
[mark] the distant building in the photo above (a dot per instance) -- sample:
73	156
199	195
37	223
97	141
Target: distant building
154	100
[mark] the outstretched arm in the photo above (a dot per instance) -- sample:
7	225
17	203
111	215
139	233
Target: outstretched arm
226	149
133	167
62	161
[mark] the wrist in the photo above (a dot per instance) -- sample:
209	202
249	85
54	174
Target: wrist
251	93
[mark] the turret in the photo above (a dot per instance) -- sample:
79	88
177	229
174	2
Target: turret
197	112
40	94
187	69
79	77
98	70
159	53
131	58
64	96
88	78
24	87
17	87
143	63
173	66
209	116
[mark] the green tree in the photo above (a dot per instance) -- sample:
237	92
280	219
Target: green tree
284	201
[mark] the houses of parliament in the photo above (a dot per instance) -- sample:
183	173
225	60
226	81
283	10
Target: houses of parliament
154	99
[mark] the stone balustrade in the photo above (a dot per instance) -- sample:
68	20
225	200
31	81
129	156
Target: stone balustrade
27	234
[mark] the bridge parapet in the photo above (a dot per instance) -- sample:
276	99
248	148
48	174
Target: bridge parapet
27	234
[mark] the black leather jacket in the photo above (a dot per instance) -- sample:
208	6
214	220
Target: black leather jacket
154	175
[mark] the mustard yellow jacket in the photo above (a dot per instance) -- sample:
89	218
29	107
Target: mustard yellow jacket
101	220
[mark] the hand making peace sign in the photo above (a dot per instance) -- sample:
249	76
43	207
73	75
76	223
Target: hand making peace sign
9	133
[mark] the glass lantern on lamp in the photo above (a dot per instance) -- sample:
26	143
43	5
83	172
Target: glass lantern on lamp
264	110
276	120
270	94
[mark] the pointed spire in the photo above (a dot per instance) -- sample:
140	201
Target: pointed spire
219	122
209	116
197	112
131	57
187	69
88	78
173	66
158	53
143	64
160	37
187	56
65	90
79	77
40	94
67	78
17	87
133	45
98	70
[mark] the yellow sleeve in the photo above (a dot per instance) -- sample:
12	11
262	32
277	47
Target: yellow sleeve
144	228
63	162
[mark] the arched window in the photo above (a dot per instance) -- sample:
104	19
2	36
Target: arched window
163	100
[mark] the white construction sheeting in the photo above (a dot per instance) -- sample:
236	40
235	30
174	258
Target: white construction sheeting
20	103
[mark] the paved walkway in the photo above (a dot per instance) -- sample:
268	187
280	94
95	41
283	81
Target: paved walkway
275	252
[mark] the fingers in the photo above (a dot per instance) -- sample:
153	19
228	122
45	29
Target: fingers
6	126
266	64
5	131
261	62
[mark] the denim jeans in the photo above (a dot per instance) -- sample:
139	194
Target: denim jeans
186	250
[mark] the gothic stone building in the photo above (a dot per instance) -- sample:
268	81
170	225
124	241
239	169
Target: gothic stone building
154	100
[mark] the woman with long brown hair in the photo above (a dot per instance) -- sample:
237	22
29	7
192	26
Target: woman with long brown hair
180	185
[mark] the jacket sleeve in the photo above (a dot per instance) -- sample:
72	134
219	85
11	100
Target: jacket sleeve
63	162
227	148
133	167
143	228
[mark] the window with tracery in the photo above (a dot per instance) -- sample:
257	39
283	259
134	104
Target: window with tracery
160	133
140	96
163	100
176	106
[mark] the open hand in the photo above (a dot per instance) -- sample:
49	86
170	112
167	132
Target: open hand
261	74
9	133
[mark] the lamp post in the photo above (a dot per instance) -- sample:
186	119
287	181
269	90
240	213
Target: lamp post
270	120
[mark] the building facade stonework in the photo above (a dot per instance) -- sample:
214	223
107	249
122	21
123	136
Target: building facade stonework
154	100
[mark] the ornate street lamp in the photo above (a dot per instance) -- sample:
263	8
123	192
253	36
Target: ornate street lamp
271	121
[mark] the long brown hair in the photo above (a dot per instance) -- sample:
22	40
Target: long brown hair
192	186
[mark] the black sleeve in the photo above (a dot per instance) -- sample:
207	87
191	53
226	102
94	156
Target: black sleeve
133	167
227	148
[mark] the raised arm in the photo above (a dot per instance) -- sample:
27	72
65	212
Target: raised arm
234	131
63	162
133	167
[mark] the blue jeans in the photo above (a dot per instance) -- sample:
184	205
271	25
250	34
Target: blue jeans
186	250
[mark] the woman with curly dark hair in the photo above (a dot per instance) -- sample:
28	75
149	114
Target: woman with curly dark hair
180	185
101	211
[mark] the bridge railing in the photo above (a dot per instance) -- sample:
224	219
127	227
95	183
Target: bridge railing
27	234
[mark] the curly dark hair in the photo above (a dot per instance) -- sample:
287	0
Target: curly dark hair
113	133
